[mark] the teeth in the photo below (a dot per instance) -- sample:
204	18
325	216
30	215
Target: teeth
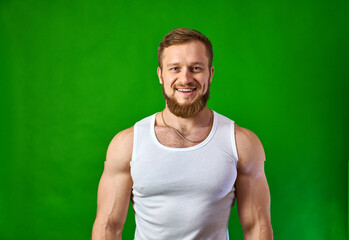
185	89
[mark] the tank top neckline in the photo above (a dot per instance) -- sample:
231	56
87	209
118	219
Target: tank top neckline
197	146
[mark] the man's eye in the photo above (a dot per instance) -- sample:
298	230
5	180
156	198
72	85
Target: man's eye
197	68
174	68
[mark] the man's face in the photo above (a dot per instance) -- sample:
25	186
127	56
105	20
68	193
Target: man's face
186	78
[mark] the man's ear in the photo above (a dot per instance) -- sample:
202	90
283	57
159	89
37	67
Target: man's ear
212	71
160	75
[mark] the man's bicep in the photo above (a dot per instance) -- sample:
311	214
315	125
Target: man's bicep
114	192
252	191
253	199
115	186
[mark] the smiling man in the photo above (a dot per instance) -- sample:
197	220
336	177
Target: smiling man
183	167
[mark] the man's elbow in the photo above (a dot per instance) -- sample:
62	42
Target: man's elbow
113	229
258	232
110	229
266	232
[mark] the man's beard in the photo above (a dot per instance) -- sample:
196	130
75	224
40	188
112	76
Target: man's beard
186	110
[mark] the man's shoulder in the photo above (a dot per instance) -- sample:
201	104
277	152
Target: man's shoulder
121	145
125	135
248	143
245	135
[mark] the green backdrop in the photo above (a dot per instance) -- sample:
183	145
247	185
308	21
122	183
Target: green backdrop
74	73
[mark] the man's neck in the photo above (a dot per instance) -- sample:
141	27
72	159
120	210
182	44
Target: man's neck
185	125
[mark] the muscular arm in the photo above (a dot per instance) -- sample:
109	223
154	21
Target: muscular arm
252	191
114	190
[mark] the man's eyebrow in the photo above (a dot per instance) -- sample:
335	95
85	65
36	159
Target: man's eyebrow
193	63
172	64
198	63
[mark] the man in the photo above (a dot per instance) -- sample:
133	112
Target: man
183	167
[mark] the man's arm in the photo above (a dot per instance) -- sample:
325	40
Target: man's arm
252	191
114	190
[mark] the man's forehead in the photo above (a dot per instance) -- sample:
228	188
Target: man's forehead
193	52
185	47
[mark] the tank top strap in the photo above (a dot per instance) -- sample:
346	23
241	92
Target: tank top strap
141	133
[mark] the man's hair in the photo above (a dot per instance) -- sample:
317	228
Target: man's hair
183	35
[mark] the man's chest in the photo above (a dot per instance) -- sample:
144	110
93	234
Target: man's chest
179	173
170	138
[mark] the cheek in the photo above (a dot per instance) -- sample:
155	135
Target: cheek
168	83
205	88
168	87
204	83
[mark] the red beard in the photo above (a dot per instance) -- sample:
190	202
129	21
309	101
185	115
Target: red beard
186	110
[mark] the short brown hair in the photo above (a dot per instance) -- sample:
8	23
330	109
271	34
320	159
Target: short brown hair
184	35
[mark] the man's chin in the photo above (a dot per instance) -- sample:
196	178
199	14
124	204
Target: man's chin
185	102
187	108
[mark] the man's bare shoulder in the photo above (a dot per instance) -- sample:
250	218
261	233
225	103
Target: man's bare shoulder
248	145
120	148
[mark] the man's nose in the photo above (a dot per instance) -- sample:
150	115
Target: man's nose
186	76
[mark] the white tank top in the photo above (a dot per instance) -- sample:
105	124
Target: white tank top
183	193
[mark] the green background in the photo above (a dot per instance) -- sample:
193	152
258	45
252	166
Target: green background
74	73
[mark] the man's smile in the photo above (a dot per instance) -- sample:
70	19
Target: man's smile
186	89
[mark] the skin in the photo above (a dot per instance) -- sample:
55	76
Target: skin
184	65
